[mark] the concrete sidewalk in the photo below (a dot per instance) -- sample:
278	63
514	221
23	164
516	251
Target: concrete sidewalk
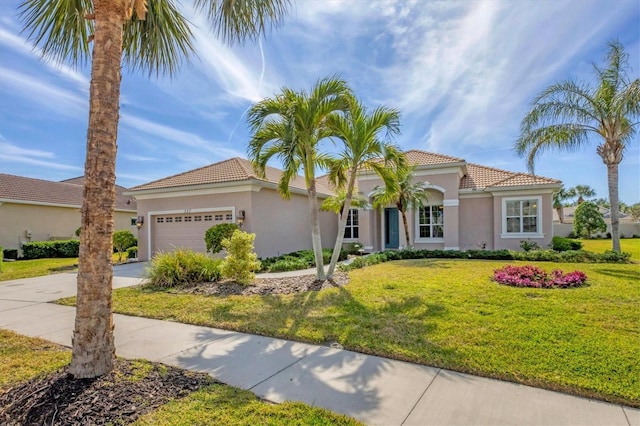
372	389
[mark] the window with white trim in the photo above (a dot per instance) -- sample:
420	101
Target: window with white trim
431	222
351	231
522	216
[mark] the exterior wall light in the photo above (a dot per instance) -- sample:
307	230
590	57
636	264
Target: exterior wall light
241	217
139	222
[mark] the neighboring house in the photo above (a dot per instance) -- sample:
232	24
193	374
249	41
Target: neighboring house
40	210
178	210
470	207
569	213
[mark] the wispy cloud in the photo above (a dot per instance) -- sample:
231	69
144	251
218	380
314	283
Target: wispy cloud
21	45
10	153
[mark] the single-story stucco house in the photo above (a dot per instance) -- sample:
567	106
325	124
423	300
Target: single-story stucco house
470	206
41	210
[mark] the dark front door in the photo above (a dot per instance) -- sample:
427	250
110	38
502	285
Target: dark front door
391	228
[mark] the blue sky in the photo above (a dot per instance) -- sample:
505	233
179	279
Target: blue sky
462	74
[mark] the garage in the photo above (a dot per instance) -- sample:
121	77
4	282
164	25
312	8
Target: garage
186	230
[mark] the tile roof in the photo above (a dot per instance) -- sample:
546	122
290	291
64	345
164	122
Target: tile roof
415	157
227	171
22	188
488	177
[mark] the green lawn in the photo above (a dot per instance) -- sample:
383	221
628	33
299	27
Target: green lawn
38	267
448	313
22	358
629	245
35	268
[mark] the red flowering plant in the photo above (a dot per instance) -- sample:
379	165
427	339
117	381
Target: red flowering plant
532	276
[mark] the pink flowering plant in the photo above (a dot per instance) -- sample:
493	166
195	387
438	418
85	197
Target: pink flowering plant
532	276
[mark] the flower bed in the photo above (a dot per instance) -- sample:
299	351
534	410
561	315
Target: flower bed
532	276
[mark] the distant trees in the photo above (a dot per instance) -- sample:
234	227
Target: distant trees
588	219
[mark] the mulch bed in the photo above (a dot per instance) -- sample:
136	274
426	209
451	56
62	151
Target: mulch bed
119	397
264	286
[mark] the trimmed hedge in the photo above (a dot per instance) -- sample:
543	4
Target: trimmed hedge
10	253
294	261
50	249
564	244
570	256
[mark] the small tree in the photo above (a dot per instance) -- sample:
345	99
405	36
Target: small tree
588	219
122	240
214	236
241	262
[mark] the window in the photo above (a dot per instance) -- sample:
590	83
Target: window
197	218
169	220
133	221
159	219
178	219
229	216
431	222
521	216
187	218
219	217
207	218
351	230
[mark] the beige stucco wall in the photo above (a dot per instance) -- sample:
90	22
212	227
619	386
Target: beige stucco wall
476	223
45	223
281	226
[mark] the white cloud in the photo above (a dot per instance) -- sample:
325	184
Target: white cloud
10	153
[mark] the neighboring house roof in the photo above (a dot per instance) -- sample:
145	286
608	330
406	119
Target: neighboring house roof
65	193
415	157
233	170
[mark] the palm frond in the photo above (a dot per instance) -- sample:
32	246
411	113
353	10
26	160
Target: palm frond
59	28
237	21
159	42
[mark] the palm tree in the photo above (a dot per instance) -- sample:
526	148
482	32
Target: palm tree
565	114
559	197
362	150
151	35
405	194
336	203
583	191
290	126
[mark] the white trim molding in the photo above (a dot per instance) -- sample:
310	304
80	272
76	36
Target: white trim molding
450	203
452	248
503	219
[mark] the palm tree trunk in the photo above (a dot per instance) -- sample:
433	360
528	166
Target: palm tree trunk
612	178
342	224
406	228
316	238
560	211
93	346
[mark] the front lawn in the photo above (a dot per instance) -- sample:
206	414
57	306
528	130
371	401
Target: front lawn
448	313
629	245
23	358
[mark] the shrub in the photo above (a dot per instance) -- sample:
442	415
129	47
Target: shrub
132	252
50	249
214	236
532	276
288	263
122	240
241	262
588	219
353	248
528	245
182	267
563	244
78	231
10	253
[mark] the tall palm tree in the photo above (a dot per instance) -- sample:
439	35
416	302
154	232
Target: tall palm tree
151	35
559	197
362	149
566	114
290	126
582	191
404	194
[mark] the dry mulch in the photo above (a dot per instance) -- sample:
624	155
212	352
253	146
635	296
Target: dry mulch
264	286
119	397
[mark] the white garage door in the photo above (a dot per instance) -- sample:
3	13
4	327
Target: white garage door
170	231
